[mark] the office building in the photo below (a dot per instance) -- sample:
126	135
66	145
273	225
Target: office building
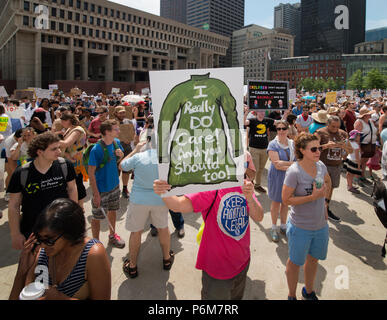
288	16
221	17
96	40
371	47
174	9
259	51
322	30
239	39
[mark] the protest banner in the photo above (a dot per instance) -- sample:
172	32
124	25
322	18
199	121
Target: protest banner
24	93
3	92
198	117
330	97
268	95
292	95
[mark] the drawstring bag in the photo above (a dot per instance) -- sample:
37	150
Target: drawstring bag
201	229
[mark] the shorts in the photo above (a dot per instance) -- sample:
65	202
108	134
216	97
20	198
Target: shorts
81	188
110	201
138	214
4	155
228	289
302	242
334	173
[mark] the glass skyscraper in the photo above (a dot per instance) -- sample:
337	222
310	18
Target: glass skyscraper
220	16
318	28
174	9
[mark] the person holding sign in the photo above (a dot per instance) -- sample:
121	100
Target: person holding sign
224	252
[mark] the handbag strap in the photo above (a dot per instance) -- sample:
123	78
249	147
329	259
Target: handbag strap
212	204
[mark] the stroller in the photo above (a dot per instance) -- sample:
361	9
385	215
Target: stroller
379	195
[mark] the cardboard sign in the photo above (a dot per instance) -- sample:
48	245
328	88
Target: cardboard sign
26	93
330	97
268	95
75	92
292	95
3	92
198	118
127	133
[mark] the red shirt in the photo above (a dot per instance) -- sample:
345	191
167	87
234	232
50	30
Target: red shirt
94	128
349	119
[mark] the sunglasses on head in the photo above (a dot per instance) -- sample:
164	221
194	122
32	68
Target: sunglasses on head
315	149
47	242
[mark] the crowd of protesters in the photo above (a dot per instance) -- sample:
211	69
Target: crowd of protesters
308	146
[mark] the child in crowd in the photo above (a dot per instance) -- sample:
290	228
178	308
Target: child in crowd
352	163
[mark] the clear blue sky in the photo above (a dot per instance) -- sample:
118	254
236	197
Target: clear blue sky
261	12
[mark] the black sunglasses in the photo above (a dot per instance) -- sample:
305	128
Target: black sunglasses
314	149
47	242
282	129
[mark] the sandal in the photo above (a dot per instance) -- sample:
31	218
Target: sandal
167	263
131	272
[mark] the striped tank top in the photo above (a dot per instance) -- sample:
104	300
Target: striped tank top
71	285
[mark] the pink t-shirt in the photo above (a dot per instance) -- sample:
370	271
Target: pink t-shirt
225	247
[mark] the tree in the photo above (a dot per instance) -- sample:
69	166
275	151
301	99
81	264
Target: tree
375	80
307	84
356	82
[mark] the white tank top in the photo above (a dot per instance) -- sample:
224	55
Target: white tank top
366	132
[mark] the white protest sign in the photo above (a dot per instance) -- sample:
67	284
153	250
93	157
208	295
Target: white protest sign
3	92
198	116
376	94
43	93
52	87
349	93
115	90
292	95
14	112
145	91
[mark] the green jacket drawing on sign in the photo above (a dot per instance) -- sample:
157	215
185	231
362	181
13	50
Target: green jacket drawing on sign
199	152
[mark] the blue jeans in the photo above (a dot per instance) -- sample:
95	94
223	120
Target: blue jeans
177	220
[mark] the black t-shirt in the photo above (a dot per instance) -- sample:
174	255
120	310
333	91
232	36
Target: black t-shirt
258	137
40	190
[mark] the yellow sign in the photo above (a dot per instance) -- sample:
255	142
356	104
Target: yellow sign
3	123
331	97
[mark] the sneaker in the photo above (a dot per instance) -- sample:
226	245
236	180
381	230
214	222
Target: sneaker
260	189
292	298
308	296
6	196
153	232
181	233
332	217
274	235
283	231
116	241
125	193
354	190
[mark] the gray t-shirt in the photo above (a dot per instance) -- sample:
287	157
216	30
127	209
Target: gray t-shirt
310	215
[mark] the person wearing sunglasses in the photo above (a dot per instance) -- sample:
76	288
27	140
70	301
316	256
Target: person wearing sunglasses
60	255
281	155
304	190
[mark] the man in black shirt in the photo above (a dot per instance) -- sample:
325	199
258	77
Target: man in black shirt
34	187
259	128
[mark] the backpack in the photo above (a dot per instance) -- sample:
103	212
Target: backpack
379	194
106	156
25	170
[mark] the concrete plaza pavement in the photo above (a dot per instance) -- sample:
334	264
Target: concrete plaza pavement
353	270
